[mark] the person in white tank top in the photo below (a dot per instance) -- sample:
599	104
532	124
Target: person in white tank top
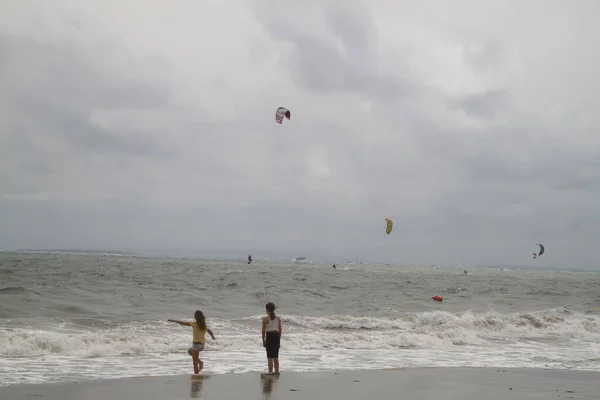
272	325
271	336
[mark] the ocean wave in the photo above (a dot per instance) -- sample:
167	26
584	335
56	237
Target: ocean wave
437	328
431	339
15	290
553	319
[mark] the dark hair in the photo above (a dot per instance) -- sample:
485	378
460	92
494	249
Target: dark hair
271	310
200	320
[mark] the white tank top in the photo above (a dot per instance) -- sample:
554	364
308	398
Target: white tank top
273	324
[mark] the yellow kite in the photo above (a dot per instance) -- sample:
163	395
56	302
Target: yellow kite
389	225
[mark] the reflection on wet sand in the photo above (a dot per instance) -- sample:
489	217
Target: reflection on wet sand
268	382
197	381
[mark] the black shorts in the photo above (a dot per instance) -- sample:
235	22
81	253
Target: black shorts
272	344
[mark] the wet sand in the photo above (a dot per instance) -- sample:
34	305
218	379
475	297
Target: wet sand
388	384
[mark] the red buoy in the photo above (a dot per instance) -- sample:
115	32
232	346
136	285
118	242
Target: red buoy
437	298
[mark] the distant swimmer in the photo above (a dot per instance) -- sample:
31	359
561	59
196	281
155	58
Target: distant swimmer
271	336
249	258
465	271
199	328
334	266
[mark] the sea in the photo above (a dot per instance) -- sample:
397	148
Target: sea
74	316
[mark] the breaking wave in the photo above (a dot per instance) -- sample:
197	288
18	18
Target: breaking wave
412	330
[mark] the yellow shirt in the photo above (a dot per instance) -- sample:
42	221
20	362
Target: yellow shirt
198	333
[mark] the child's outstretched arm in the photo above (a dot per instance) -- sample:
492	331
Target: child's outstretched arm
210	333
184	323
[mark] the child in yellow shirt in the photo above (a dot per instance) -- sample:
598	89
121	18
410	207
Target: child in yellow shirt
199	328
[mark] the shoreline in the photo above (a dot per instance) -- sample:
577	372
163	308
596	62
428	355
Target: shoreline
464	383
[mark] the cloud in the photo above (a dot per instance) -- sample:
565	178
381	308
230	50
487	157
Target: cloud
142	125
483	105
336	54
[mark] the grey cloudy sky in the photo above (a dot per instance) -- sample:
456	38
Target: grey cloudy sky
145	124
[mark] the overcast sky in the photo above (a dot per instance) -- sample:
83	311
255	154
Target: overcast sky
146	124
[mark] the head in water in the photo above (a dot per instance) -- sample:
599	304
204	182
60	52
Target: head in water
270	307
200	319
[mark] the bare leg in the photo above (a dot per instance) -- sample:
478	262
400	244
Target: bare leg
195	360
196	364
270	365
200	364
276	362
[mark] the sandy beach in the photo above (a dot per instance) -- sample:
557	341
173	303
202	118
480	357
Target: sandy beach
405	384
